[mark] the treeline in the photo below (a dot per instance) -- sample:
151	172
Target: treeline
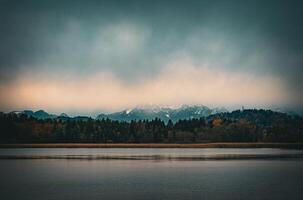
237	126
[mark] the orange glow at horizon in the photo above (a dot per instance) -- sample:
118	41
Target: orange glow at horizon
173	86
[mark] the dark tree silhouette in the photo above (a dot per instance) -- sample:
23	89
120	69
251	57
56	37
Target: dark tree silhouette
237	126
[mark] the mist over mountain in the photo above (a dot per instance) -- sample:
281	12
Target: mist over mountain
163	113
138	113
145	113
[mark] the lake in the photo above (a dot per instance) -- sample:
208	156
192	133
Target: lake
58	173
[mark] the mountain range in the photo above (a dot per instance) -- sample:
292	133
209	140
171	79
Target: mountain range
138	113
143	113
163	113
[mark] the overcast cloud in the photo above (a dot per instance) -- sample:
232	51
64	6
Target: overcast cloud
135	45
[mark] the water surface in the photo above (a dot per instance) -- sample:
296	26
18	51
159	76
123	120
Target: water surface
150	153
151	179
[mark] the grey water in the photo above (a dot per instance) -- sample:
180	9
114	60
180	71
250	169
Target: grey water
272	177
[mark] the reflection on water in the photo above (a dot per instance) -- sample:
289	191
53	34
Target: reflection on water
150	179
149	153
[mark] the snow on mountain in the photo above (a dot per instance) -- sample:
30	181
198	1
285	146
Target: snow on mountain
163	113
138	113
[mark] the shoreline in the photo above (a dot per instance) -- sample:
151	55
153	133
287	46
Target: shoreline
157	145
215	157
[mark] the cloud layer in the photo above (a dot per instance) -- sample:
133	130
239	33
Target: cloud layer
178	83
121	54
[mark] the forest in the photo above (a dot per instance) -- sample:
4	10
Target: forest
237	126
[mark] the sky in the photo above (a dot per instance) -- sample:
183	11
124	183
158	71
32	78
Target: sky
103	56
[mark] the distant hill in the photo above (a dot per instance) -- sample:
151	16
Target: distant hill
63	115
40	114
260	117
138	113
165	114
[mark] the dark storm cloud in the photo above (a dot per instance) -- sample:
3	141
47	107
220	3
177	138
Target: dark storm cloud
135	39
